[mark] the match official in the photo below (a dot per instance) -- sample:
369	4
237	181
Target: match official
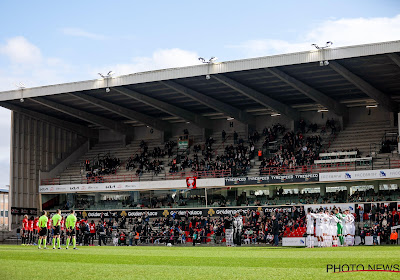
56	228
43	229
70	225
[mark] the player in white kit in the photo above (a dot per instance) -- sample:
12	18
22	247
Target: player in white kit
333	228
319	227
326	229
310	228
349	228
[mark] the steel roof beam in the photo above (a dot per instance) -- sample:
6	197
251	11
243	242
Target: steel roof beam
211	102
196	119
89	117
125	112
395	58
312	93
384	101
77	128
259	97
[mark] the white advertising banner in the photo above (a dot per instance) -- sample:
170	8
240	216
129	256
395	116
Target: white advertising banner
342	206
369	240
359	175
293	241
130	186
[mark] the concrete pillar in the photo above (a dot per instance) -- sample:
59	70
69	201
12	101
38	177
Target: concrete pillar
398	124
376	187
293	125
348	190
272	191
96	198
322	189
70	199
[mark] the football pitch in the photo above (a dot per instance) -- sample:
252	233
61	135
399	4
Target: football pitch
151	262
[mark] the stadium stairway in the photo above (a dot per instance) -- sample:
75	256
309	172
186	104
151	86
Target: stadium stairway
255	170
361	135
75	173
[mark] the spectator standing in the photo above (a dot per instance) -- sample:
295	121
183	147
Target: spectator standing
102	233
393	237
275	230
235	137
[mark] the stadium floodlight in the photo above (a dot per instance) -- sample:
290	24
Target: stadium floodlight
275	115
107	77
372	106
328	44
322	110
210	61
21	86
230	119
213	59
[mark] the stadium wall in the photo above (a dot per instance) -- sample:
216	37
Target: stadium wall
35	145
361	114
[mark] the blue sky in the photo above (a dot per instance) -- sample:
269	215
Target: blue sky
47	42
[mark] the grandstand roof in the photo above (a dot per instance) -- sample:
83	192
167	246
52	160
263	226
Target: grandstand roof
288	83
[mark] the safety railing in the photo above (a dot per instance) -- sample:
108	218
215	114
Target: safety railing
336	167
328	167
133	177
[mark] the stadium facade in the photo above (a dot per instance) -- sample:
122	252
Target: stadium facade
56	128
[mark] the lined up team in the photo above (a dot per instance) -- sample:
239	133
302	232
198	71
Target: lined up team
332	228
41	225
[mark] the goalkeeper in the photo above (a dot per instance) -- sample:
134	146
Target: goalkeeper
340	217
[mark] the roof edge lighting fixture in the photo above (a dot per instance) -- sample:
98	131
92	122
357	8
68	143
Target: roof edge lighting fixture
230	119
275	115
323	110
21	86
107	77
372	106
323	62
209	62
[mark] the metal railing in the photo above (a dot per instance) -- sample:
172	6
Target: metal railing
134	177
328	167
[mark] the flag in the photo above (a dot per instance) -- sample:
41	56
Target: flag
191	182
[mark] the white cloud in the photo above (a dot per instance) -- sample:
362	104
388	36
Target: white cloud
21	51
342	32
29	66
164	58
5	120
78	32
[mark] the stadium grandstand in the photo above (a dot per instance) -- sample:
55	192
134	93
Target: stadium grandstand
292	130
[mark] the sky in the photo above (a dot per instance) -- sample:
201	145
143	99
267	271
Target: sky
49	42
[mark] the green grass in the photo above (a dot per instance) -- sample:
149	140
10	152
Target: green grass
18	262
